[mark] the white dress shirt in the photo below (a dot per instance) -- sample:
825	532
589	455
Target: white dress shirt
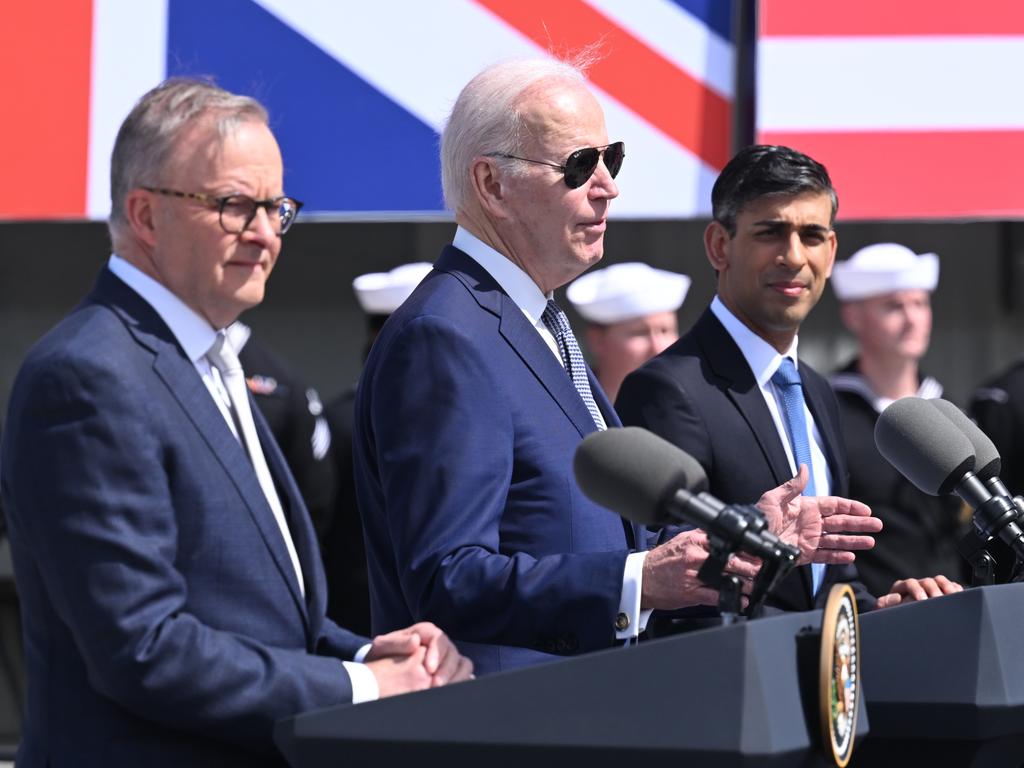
526	295
764	360
196	336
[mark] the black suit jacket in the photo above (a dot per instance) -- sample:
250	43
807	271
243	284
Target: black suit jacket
701	395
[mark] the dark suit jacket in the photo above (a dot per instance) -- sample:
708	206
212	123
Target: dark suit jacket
163	621
465	430
701	395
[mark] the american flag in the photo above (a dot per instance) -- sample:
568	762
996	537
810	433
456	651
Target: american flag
915	106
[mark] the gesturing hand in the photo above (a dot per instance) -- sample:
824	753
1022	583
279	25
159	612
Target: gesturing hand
826	529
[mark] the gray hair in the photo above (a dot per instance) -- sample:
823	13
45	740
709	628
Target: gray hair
486	117
150	133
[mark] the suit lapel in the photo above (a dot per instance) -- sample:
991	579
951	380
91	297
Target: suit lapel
727	362
524	339
816	395
185	385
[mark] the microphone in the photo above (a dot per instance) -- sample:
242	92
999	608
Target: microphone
921	442
987	462
650	481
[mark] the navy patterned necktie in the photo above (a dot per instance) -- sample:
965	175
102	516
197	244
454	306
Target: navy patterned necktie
556	321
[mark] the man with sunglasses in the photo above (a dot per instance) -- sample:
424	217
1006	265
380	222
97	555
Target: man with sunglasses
171	585
475	396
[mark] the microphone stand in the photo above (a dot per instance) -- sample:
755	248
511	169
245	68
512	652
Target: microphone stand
724	541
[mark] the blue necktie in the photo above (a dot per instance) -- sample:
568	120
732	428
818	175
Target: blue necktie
791	389
556	321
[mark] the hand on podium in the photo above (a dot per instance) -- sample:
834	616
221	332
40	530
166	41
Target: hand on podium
416	658
912	590
826	529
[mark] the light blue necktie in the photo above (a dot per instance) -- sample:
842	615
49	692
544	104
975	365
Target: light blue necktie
787	382
556	321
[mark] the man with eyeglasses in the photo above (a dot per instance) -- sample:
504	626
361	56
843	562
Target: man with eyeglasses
171	585
475	397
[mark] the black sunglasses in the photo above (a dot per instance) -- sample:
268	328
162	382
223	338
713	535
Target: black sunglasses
582	163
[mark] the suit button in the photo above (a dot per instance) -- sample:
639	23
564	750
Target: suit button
622	622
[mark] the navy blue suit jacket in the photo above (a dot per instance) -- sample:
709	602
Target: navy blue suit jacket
465	430
701	395
163	621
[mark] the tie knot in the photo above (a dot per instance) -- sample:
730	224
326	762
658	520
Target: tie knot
555	318
223	356
787	374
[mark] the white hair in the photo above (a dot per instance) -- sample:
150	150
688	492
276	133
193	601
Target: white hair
486	118
148	136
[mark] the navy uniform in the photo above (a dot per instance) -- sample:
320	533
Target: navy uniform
921	532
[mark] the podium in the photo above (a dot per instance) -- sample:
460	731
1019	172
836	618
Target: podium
944	681
740	695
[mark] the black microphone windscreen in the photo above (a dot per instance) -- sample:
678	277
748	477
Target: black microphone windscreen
634	472
923	445
986	456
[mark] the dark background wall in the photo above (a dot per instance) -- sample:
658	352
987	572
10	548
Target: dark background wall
311	318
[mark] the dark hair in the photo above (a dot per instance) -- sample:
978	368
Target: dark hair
764	170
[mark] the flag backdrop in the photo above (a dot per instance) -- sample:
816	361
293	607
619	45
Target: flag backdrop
358	90
915	106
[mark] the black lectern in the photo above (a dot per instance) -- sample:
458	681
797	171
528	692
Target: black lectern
944	681
742	695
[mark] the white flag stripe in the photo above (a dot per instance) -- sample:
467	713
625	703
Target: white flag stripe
677	36
428	87
129	56
422	61
889	83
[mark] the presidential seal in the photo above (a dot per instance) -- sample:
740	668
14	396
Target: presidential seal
839	698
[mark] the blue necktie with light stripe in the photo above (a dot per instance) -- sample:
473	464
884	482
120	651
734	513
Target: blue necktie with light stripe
791	389
556	321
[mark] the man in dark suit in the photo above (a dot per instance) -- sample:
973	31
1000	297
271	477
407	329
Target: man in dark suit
475	397
725	391
172	593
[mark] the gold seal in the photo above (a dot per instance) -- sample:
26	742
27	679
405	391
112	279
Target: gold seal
839	689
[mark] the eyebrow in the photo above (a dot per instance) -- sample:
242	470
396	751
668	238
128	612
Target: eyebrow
779	223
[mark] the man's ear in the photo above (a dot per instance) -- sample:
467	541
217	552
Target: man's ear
716	238
851	313
138	210
490	185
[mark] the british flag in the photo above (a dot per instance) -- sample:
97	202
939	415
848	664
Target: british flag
358	90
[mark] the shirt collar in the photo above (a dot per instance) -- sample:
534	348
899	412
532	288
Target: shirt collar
515	282
193	332
764	360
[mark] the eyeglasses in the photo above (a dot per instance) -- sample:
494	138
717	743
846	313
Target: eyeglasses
238	211
582	163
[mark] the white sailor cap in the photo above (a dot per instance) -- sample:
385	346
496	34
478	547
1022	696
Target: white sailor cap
625	291
883	268
381	293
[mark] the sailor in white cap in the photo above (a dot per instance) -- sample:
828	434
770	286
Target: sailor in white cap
885	294
630	311
341	539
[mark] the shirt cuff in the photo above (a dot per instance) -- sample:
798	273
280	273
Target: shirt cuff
364	684
361	653
631	621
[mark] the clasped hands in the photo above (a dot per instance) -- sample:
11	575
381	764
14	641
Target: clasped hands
416	658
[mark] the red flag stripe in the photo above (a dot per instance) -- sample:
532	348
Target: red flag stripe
641	79
891	17
46	61
918	174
